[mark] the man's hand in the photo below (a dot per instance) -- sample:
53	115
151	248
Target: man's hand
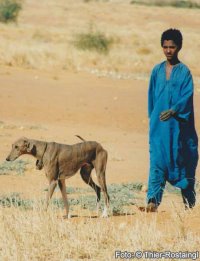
165	115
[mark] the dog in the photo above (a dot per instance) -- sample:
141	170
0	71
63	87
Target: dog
61	161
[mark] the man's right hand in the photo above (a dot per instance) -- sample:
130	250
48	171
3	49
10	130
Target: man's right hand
166	115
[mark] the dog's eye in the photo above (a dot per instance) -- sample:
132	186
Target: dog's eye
16	147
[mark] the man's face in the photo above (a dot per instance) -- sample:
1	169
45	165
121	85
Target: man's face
170	50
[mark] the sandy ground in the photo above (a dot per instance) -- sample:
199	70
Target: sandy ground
113	112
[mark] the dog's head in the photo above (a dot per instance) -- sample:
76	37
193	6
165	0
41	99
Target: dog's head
20	147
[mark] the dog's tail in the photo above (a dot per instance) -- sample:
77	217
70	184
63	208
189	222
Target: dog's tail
80	137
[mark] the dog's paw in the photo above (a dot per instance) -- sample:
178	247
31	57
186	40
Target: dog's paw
105	213
67	216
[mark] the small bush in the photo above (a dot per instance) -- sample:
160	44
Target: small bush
174	3
93	41
9	10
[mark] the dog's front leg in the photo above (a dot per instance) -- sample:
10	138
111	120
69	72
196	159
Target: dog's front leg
52	186
62	187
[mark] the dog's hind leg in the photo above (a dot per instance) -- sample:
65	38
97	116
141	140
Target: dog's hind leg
102	183
86	176
100	167
62	187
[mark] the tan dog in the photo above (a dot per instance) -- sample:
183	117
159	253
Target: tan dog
62	161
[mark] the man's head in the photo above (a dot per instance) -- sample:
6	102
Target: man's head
171	42
173	35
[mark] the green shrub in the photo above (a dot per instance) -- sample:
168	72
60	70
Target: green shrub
121	196
14	200
174	3
18	166
93	41
185	4
9	10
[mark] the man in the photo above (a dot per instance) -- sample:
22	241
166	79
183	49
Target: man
172	137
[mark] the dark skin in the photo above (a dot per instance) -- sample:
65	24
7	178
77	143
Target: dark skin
171	51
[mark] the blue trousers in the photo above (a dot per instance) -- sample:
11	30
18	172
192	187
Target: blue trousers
157	182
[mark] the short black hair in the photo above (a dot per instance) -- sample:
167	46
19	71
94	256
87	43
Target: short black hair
174	35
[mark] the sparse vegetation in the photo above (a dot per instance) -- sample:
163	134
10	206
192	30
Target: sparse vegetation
4	125
174	3
18	167
9	10
87	1
37	234
93	41
131	51
14	200
121	195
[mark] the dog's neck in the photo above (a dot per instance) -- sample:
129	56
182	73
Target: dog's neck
39	148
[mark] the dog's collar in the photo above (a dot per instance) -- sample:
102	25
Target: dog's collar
39	163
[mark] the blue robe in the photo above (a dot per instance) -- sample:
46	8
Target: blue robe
173	143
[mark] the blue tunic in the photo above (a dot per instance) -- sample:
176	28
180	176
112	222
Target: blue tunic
173	143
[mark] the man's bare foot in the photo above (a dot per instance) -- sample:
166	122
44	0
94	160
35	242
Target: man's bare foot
151	207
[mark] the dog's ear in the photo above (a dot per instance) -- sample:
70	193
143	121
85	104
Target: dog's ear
29	145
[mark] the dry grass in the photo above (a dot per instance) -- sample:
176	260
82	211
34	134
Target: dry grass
43	38
37	235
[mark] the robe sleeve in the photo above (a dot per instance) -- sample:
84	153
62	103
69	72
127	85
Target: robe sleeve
184	106
151	94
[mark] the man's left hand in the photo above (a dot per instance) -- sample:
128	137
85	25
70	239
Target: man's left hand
165	115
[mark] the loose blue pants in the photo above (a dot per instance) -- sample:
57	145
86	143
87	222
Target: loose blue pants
156	186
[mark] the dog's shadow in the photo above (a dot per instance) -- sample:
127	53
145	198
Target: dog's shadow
96	216
80	216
